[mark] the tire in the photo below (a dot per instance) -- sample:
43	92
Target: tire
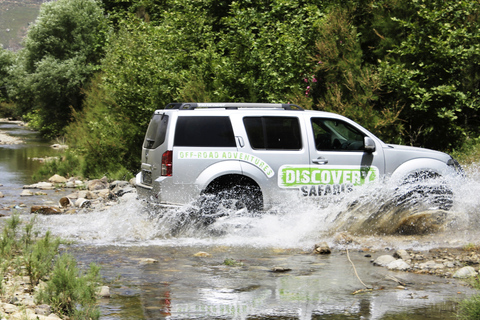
425	189
226	201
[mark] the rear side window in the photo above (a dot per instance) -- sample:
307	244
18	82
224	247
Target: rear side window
156	131
204	132
273	133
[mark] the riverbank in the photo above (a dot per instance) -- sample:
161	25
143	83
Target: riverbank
8	139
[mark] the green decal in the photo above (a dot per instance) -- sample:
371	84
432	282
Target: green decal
291	176
228	155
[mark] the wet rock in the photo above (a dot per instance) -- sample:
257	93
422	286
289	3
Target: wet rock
202	254
104	292
343	238
26	193
148	260
322	248
429	265
465	272
384	260
45	210
41	186
86	195
280	269
399	265
9	308
402	254
132	182
98	184
57	179
105	194
1	195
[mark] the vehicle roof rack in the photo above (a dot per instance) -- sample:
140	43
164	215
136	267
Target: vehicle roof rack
231	105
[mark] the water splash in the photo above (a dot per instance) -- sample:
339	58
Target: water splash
298	222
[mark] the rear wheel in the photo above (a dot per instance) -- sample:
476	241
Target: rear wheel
230	200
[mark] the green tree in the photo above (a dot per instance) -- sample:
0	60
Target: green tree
435	72
62	50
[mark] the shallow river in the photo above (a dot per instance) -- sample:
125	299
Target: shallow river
234	277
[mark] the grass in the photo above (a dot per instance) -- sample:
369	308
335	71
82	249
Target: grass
67	290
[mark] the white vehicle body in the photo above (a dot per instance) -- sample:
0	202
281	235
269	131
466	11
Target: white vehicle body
192	149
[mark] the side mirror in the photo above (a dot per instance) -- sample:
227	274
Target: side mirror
369	144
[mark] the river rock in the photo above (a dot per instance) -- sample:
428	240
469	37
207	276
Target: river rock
57	179
322	248
429	265
465	272
86	195
26	193
384	260
41	186
399	265
202	254
98	184
402	254
45	210
104	292
1	195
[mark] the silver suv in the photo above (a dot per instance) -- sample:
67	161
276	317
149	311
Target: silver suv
256	153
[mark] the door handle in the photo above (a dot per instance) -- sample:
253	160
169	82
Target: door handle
320	160
240	141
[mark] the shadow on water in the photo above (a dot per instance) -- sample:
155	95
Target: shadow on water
224	270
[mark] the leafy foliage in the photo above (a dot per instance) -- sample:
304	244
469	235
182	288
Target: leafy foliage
62	49
435	72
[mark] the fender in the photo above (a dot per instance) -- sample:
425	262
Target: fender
419	165
216	170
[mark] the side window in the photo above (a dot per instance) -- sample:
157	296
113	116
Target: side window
331	134
204	132
156	132
273	133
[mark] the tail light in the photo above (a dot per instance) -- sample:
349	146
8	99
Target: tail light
167	163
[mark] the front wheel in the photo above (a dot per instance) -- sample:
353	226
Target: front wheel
425	189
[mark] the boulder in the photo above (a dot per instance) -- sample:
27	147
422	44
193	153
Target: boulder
98	184
402	254
322	248
26	193
431	265
384	260
46	210
57	179
398	264
465	272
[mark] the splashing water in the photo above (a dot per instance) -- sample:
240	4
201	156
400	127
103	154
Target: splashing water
298	222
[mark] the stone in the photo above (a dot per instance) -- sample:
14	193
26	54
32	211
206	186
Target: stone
104	292
86	195
57	179
41	186
148	260
402	254
384	260
45	210
431	265
465	272
202	254
59	146
9	308
1	195
399	265
43	310
322	248
98	184
26	193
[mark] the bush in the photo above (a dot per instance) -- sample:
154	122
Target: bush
69	292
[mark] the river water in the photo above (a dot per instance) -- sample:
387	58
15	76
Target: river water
227	270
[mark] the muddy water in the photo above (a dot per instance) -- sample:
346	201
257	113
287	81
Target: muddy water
235	277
